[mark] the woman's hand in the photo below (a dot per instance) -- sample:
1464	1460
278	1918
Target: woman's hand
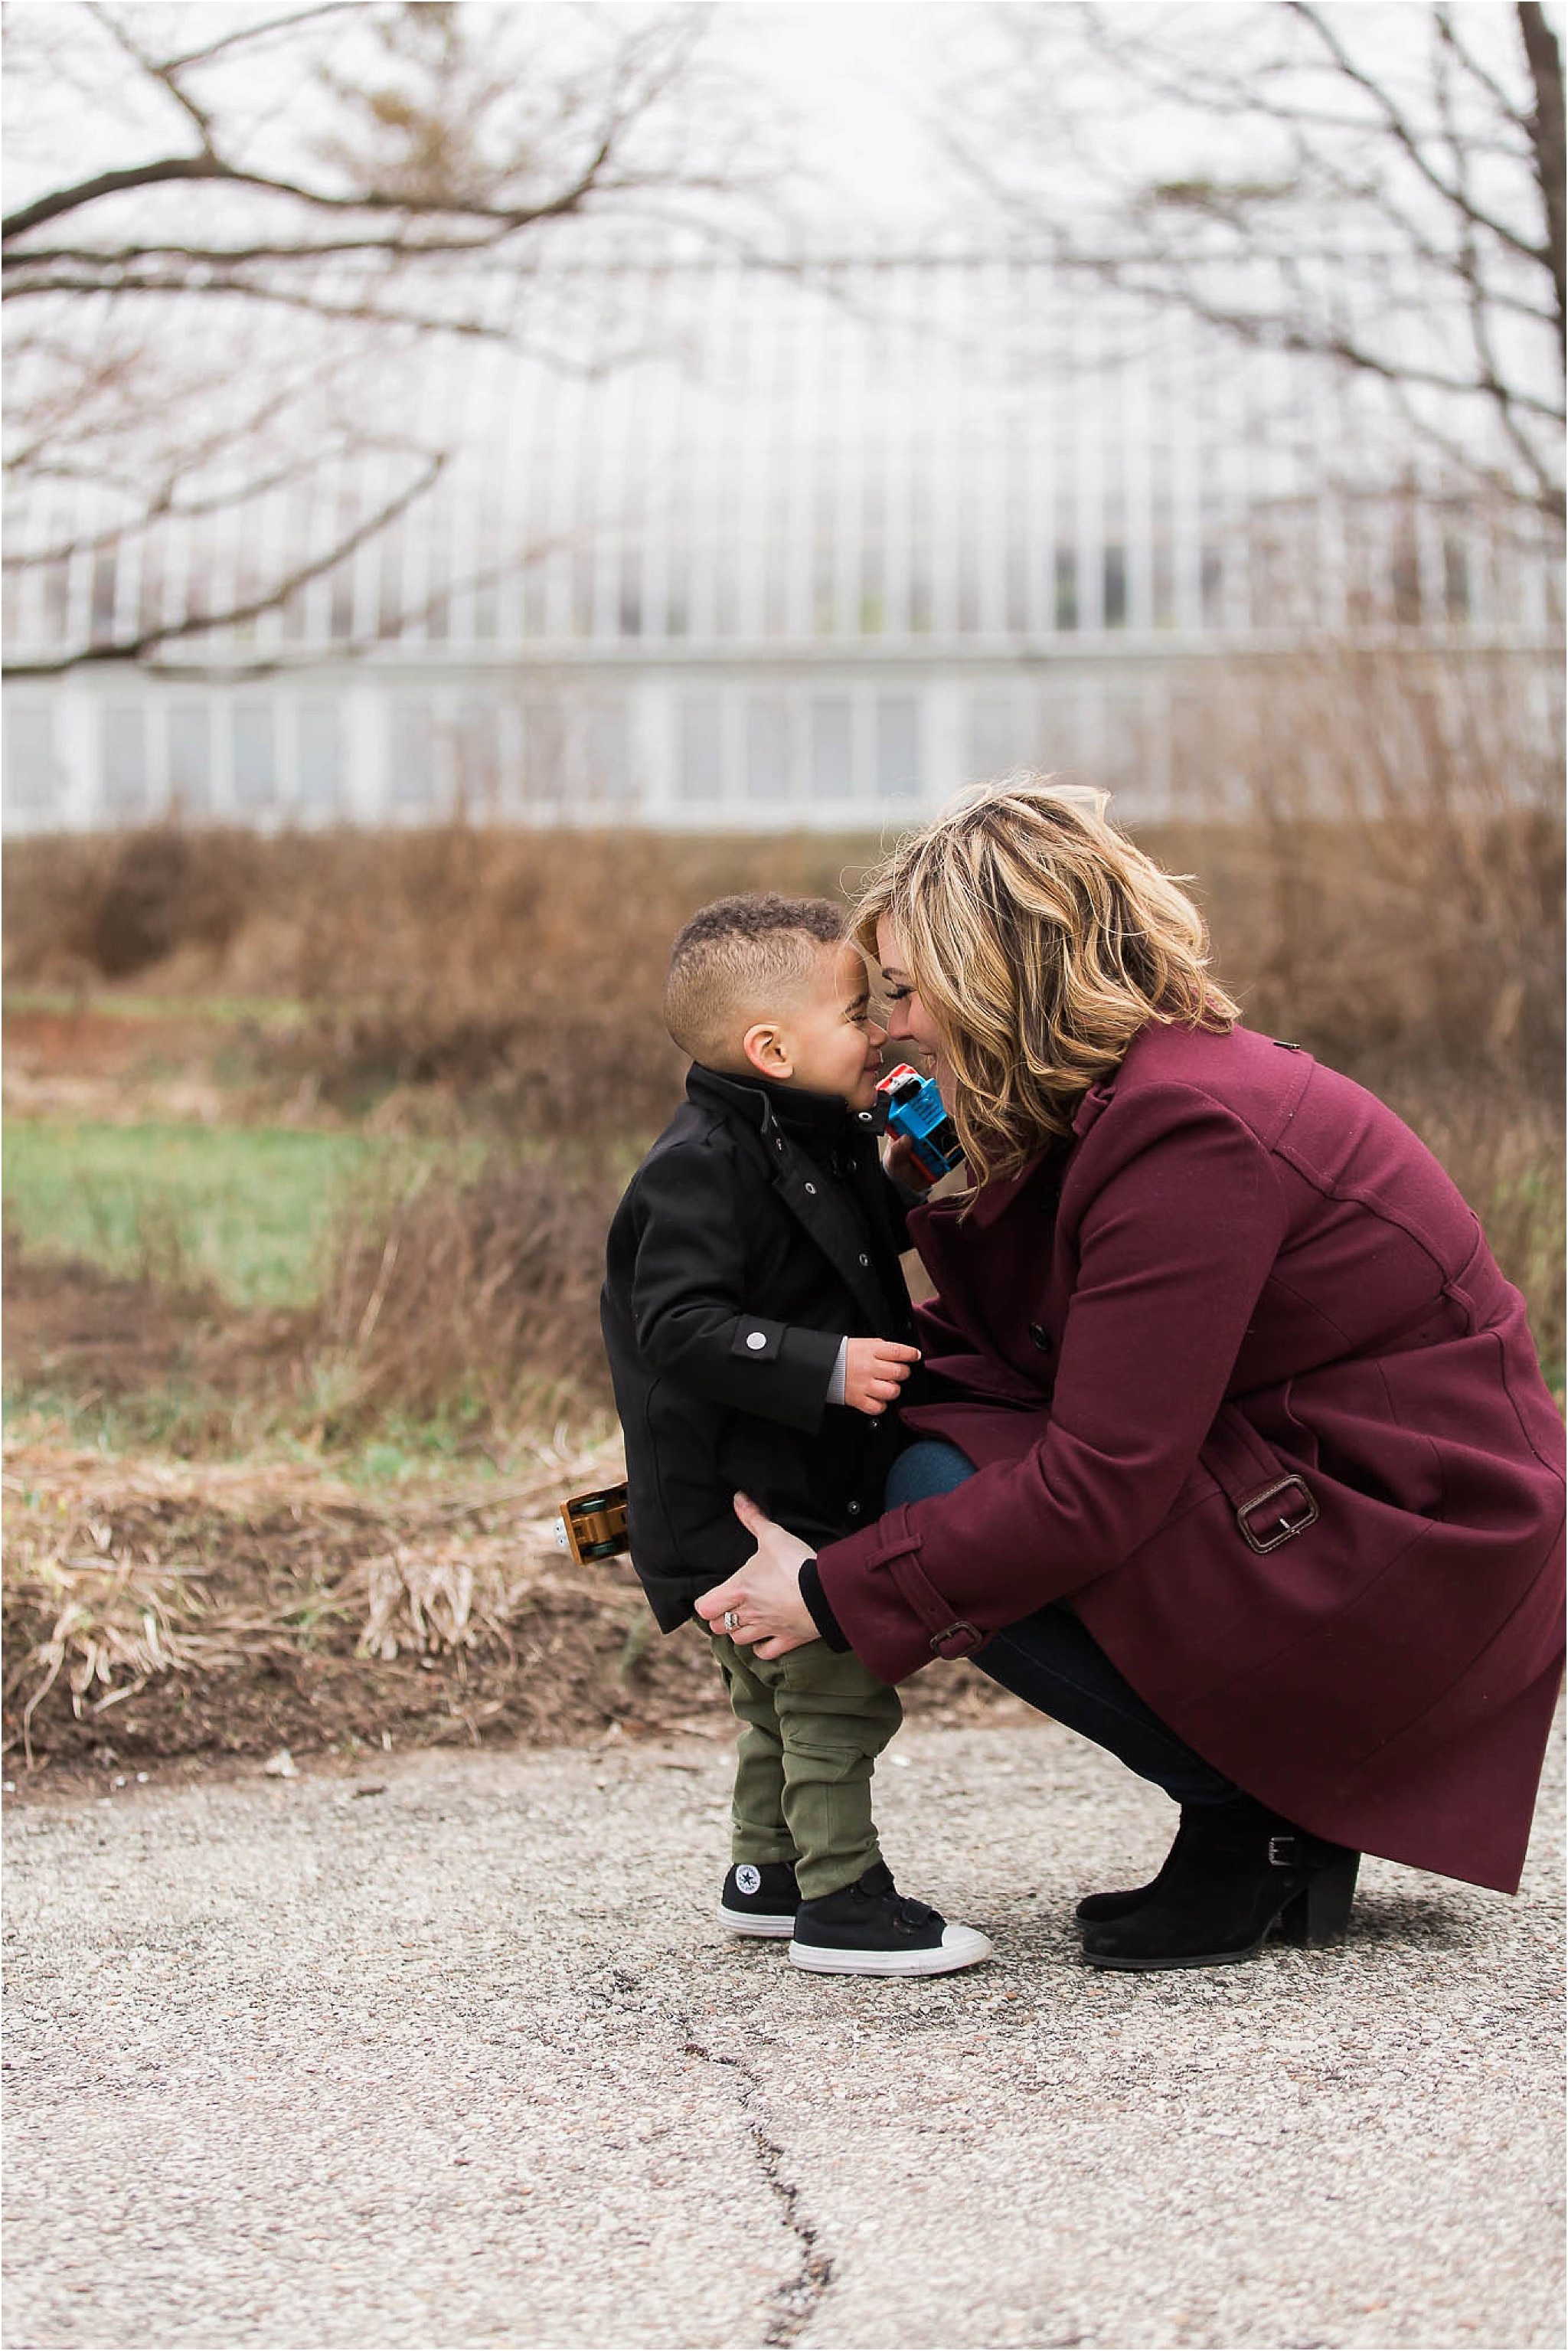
764	1599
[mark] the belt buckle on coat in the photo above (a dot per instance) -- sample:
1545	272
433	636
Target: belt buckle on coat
1284	1528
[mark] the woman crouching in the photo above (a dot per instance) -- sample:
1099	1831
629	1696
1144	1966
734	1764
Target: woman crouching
1238	1459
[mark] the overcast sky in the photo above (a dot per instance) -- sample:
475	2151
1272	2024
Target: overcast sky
863	78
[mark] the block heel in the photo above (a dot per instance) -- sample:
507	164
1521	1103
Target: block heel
1320	1912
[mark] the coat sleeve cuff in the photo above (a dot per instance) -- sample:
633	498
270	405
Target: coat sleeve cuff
816	1600
896	1619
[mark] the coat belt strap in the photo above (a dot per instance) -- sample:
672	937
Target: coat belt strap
949	1636
1272	1504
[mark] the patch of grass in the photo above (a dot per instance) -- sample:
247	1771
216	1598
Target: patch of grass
243	1208
189	1419
121	1004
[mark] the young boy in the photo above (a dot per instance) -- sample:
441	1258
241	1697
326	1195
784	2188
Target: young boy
757	1327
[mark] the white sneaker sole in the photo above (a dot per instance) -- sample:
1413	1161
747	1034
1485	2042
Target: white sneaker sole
961	1947
775	1926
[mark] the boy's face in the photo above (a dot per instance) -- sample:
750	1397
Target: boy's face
825	1037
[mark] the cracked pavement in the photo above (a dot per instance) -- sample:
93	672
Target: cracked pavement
465	2061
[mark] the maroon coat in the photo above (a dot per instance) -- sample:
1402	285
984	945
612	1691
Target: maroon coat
1245	1386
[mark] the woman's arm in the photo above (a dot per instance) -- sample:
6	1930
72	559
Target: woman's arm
1184	1220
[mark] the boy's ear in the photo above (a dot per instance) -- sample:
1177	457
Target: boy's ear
765	1047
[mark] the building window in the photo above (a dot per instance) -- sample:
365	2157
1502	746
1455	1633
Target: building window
1457	579
32	771
766	751
832	766
1066	587
897	747
105	586
702	756
994	746
608	749
544	754
319	759
124	763
475	742
412	758
1116	579
256	756
191	760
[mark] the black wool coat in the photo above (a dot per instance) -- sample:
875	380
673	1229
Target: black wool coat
759	1231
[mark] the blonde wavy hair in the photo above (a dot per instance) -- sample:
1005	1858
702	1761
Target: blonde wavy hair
1040	941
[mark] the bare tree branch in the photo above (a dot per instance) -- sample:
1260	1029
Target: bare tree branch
1444	169
1395	122
167	75
205	623
165	504
1546	134
1449	35
416	141
167	168
260	33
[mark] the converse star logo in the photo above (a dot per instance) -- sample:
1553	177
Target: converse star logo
747	1879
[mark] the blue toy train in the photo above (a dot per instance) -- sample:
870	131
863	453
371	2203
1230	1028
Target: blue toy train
915	1109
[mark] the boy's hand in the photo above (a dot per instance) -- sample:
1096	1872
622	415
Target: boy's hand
874	1371
899	1162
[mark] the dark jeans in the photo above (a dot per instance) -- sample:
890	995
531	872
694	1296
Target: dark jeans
1050	1661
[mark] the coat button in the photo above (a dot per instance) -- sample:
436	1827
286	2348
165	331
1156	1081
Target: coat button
864	1260
854	1510
812	1189
1042	1337
755	1339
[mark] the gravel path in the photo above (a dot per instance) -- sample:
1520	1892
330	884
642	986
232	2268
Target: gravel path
463	2062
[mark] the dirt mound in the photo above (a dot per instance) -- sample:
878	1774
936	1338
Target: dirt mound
159	1609
72	1328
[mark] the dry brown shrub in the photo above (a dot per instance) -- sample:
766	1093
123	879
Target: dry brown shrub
1377	837
474	1291
1379	843
114	906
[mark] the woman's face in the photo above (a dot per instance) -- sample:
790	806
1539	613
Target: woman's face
909	1025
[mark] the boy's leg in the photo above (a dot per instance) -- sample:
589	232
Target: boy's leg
758	1832
834	1719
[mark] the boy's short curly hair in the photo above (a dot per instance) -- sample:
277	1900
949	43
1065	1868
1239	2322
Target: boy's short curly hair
735	960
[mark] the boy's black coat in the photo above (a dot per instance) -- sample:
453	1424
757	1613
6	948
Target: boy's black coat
759	1232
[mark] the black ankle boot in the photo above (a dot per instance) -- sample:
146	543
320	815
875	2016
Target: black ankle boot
1234	1871
1097	1907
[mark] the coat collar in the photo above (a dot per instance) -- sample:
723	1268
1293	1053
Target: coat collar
788	1119
797	1110
995	1200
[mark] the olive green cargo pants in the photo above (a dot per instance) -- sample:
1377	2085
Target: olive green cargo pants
812	1724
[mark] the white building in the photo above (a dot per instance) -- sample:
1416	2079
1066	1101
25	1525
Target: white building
783	548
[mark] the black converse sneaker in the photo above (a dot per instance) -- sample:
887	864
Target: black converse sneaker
759	1898
869	1929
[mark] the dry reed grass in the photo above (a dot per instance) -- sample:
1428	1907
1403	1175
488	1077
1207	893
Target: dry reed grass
1379	844
472	1290
181	1608
97	1607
